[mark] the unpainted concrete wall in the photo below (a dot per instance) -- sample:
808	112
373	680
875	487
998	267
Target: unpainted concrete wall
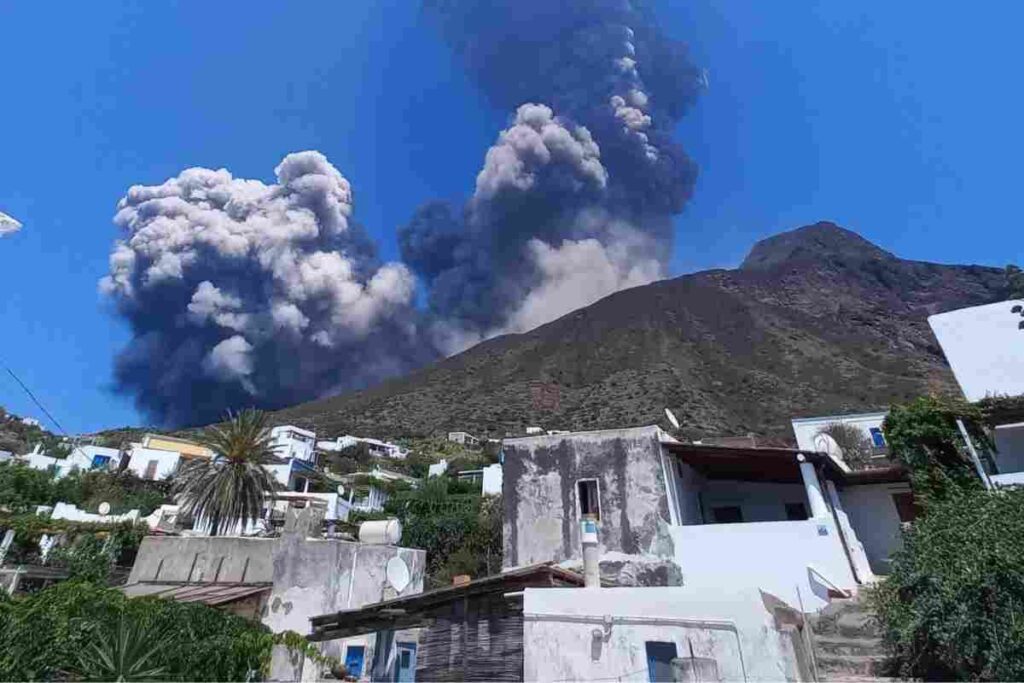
600	633
204	558
541	520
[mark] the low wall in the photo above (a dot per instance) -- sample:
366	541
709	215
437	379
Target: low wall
772	556
601	633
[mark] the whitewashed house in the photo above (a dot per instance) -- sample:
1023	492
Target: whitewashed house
983	345
158	456
464	438
488	478
797	524
810	432
376	447
296	448
80	458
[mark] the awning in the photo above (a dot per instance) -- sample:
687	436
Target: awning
779	465
210	593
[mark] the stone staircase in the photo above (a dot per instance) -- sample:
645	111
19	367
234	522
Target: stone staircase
847	642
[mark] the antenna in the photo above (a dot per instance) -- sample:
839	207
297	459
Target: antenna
672	418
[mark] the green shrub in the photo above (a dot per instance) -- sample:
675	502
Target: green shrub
953	606
43	635
924	436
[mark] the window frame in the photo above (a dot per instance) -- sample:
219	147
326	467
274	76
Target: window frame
579	501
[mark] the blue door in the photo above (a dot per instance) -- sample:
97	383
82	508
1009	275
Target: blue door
354	660
405	666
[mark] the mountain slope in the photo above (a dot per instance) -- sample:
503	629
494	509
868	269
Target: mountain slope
815	321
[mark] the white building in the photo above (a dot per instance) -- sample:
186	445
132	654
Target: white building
797	524
158	456
30	421
80	458
291	442
375	496
983	347
376	447
808	431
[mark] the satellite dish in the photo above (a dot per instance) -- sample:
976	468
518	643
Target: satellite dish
104	508
398	573
341	490
672	418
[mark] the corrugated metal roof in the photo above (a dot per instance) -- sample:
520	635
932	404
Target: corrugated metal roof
206	593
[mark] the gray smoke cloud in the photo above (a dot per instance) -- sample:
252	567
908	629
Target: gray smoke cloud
241	293
576	198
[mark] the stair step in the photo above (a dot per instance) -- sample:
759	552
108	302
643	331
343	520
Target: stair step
832	645
834	667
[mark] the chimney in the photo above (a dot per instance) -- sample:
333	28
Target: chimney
591	552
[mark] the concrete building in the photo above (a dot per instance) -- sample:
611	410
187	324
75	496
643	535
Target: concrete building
376	447
293	443
795	524
375	496
81	458
538	623
489	478
281	581
464	438
158	456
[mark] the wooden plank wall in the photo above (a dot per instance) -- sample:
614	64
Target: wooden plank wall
478	638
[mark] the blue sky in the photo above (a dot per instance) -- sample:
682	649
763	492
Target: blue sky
893	121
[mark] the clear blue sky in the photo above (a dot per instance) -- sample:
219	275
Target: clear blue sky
897	120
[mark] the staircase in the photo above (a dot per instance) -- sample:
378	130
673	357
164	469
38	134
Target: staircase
847	642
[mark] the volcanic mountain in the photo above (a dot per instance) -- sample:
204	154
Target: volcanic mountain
815	321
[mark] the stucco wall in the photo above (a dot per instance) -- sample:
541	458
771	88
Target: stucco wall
873	516
772	556
807	428
733	627
175	558
541	521
167	461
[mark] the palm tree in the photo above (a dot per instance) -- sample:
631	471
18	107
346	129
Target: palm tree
229	489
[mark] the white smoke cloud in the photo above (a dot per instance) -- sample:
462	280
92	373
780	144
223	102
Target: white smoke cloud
575	274
536	140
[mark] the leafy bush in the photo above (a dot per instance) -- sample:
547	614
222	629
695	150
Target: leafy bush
43	635
953	606
119	542
22	488
924	436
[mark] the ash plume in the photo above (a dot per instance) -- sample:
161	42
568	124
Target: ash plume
243	293
582	186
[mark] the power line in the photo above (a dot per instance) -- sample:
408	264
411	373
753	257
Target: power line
36	401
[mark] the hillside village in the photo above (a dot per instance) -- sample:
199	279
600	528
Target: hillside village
545	555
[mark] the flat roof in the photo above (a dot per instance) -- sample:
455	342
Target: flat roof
620	430
411	610
850	416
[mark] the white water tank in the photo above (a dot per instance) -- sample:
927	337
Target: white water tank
381	532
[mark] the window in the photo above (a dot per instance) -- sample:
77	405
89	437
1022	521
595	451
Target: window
877	437
796	511
906	506
151	469
589	499
99	461
727	514
659	660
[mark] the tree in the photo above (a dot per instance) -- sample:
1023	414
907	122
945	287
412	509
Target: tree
229	489
125	654
1014	282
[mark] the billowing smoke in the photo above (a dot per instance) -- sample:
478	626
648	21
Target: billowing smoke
241	293
576	197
